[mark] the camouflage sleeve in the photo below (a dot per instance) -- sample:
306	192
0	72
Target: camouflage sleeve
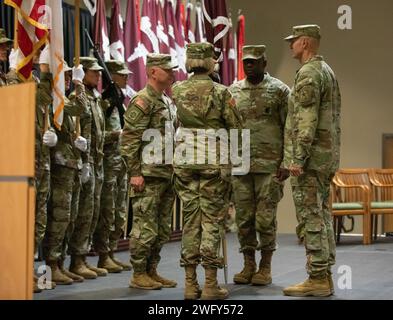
307	101
44	89
77	105
230	112
284	96
136	121
288	144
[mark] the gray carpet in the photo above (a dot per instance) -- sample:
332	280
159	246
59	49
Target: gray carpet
371	274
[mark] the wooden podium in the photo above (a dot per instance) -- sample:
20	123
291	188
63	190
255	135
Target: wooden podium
17	194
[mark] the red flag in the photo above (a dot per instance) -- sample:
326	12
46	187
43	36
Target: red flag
135	52
200	33
240	36
217	25
189	34
169	15
32	32
149	27
117	33
101	30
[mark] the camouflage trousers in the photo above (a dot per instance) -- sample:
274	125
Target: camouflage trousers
256	197
151	226
203	194
42	184
311	196
65	184
89	205
113	206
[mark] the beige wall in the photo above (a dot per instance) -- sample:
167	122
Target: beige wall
361	58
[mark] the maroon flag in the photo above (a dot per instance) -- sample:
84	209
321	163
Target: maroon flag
101	30
149	27
135	52
216	24
162	29
117	33
189	34
228	64
180	43
169	18
200	33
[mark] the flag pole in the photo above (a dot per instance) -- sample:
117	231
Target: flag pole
16	29
77	55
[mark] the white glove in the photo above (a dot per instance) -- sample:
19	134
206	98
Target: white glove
78	74
86	173
45	55
81	144
14	58
49	139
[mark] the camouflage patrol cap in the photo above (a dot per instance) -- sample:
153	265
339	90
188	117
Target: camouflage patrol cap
308	30
66	67
3	37
201	50
90	63
116	66
253	52
163	61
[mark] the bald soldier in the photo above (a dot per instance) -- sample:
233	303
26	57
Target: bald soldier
151	188
262	101
312	157
113	208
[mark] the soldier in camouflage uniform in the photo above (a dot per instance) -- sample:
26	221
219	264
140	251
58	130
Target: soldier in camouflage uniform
262	101
5	43
114	191
66	164
202	188
92	123
151	188
313	138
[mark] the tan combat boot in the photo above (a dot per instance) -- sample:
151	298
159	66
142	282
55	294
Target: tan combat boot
264	275
78	267
166	283
126	266
192	291
68	273
141	280
244	276
211	290
57	276
310	287
99	271
105	262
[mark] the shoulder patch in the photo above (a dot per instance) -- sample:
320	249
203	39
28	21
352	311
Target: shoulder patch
142	105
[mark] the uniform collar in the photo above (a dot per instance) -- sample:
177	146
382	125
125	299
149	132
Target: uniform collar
314	58
152	92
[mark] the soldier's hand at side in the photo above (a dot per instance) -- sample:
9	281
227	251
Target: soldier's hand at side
137	183
282	174
296	170
49	138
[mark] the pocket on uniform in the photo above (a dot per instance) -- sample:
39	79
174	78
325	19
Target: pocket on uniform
313	236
